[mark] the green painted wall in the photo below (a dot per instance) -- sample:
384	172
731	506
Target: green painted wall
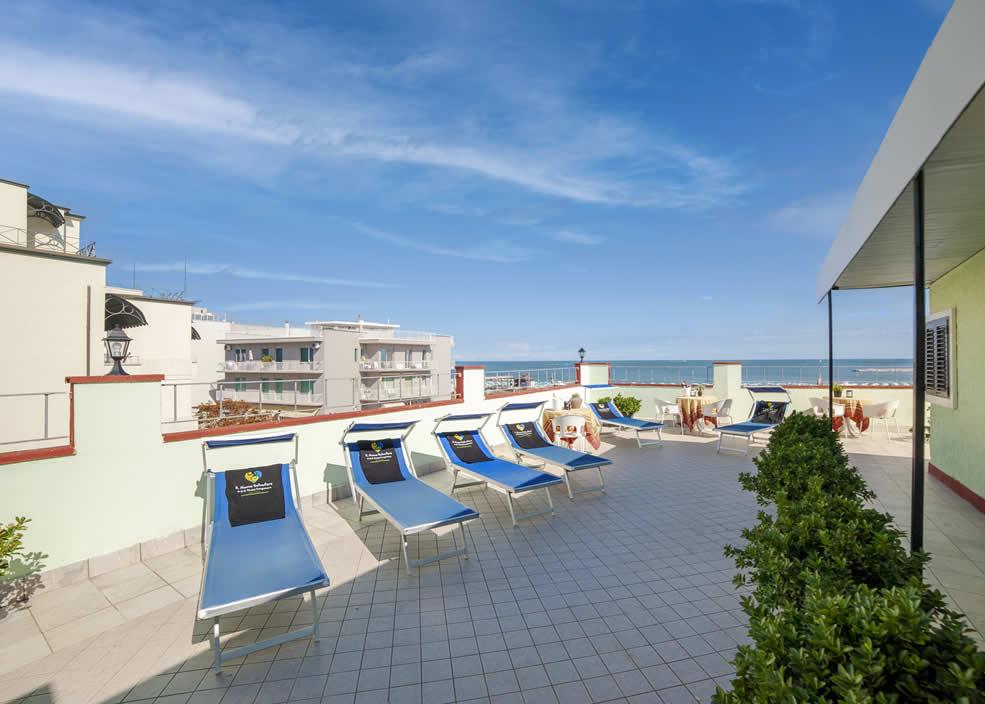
957	444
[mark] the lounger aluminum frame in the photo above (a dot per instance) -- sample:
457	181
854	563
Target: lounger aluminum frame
474	471
363	492
569	461
305	550
637	425
749	429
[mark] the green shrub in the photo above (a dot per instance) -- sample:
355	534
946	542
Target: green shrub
861	645
11	542
837	389
266	358
823	534
837	609
627	405
801	449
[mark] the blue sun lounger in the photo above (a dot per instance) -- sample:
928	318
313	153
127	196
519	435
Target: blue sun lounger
465	452
256	548
382	473
608	415
527	440
766	415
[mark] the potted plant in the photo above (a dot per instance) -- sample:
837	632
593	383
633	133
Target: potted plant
837	388
266	358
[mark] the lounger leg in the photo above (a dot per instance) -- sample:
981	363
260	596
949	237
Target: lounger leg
721	437
216	648
403	547
550	501
315	630
509	502
465	541
567	483
601	480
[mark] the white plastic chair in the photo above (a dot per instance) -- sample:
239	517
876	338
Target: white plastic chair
568	429
884	411
667	409
725	410
819	407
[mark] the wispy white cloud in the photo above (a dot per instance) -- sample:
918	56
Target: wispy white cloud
548	144
495	250
220	269
576	237
817	216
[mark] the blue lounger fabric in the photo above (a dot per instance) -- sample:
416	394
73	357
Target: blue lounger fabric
234	442
615	417
509	475
745	428
410	503
257	562
561	456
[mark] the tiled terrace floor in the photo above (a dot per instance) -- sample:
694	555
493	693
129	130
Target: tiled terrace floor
620	597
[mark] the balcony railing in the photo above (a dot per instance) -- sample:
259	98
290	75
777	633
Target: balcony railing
394	365
290	365
43	241
697	374
398	335
385	389
506	380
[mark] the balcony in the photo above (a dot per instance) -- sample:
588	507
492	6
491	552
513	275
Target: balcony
409	337
395	365
286	366
44	241
381	392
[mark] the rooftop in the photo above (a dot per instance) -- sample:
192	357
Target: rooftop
620	595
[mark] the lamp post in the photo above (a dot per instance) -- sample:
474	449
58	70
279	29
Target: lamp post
117	343
581	354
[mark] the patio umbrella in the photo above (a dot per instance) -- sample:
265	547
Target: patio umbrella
123	313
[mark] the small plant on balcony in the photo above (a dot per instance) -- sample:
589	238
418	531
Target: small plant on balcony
266	358
838	388
11	542
627	405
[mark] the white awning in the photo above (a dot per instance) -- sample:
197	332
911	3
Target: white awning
940	127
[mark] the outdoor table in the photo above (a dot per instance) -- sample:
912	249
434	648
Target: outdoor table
591	423
691	414
854	412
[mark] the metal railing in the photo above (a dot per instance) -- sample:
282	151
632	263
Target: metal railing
696	374
180	399
395	365
21	418
506	380
290	365
818	375
385	389
401	335
44	241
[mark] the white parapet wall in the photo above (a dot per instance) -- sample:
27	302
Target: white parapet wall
124	491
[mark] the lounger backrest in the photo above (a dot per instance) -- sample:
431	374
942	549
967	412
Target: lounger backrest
255	495
377	461
466	447
770	412
526	436
606	411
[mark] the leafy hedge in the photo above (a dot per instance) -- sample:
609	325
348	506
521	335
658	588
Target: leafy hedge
627	405
838	611
11	542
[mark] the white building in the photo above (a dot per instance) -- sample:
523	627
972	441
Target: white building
337	365
54	308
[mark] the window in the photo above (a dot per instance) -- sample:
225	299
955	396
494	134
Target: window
306	354
939	359
265	386
384	354
279	354
264	352
306	387
279	387
240	385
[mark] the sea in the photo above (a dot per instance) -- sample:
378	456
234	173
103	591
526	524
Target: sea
861	372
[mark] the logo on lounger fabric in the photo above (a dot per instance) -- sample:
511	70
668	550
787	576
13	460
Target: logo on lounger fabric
255	495
378	460
526	436
466	448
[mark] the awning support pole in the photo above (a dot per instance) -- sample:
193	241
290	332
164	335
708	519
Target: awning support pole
919	366
831	363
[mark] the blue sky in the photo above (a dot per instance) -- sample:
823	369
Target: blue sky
644	179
